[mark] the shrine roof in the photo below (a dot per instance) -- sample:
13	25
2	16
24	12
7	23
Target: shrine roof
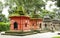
19	16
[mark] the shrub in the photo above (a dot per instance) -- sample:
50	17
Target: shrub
4	26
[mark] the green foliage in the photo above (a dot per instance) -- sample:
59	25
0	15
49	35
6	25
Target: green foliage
15	14
26	4
4	26
38	31
21	10
58	3
52	14
3	18
44	13
28	7
56	37
19	33
35	16
1	6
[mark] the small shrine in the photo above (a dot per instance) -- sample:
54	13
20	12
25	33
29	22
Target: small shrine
56	23
24	22
21	23
47	22
36	23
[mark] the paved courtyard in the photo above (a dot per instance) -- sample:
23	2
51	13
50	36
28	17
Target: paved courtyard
39	35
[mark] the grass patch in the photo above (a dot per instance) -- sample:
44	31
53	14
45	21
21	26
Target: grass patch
37	31
56	37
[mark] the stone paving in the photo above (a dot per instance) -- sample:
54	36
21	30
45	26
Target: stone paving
39	35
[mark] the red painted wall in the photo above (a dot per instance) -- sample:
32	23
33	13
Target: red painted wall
22	20
36	23
15	19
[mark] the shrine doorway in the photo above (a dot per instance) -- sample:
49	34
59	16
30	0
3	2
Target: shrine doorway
15	25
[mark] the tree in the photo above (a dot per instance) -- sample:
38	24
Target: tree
58	3
27	5
2	16
1	7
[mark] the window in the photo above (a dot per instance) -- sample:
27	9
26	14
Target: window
25	24
33	24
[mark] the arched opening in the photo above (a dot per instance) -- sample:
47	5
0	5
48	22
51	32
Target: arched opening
40	25
15	25
45	25
54	26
